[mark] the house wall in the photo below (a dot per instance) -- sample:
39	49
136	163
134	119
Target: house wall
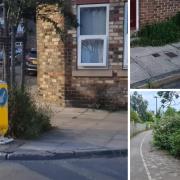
87	86
157	10
61	81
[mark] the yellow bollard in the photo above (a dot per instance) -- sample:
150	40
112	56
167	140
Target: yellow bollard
3	108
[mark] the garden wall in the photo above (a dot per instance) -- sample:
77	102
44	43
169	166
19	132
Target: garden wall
137	128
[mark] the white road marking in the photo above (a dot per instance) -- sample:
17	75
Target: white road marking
143	160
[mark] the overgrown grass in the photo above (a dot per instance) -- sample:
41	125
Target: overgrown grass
160	33
26	120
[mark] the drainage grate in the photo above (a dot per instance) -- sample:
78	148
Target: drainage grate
171	54
156	55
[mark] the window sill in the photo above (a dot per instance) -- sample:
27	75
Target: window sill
122	73
92	73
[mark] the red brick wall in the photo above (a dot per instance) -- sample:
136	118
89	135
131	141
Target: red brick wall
157	10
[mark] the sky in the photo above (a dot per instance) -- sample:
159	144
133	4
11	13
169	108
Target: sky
149	96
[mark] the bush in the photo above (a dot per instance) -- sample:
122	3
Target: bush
159	33
134	116
175	143
166	133
26	120
149	116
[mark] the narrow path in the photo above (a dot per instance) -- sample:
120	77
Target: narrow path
138	171
148	163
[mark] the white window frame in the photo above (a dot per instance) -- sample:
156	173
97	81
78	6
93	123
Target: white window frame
101	37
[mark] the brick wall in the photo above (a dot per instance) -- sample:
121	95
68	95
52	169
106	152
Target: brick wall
157	10
51	58
61	81
87	85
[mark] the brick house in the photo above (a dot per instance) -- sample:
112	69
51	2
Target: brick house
149	11
91	66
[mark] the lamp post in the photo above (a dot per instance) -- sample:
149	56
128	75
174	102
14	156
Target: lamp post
156	104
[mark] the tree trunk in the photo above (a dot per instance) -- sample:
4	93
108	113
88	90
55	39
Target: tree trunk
22	79
12	57
6	48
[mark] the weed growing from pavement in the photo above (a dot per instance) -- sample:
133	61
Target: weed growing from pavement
159	34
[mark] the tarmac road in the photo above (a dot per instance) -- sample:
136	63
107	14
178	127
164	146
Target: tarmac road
72	169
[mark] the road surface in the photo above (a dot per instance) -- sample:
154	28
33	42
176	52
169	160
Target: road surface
75	169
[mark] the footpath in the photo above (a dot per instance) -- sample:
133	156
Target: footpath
155	67
77	132
149	163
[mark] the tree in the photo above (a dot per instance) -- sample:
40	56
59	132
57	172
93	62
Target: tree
134	116
149	116
139	105
168	97
18	11
170	111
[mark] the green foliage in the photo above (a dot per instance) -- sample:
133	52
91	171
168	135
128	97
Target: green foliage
166	133
176	19
26	119
149	116
167	97
170	111
175	143
159	33
149	124
134	116
29	9
139	105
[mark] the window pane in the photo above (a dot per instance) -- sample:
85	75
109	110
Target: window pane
93	21
92	51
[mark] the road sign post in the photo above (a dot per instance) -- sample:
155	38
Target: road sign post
3	108
4	113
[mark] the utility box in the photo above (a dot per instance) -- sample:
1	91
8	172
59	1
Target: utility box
3	108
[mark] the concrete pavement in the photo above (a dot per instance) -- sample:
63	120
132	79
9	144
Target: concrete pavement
155	67
78	132
149	163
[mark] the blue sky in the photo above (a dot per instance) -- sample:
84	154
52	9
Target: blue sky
149	96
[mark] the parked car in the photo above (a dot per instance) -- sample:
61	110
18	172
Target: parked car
31	61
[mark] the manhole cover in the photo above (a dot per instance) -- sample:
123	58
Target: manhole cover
156	55
171	54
